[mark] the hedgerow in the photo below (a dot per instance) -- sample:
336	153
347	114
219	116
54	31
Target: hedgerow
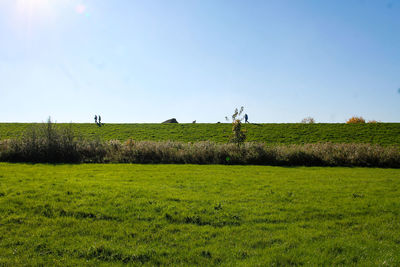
50	143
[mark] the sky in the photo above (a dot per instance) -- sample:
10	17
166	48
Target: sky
148	61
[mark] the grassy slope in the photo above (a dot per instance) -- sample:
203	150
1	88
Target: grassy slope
381	133
184	214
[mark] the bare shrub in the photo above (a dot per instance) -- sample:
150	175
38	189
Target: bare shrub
308	120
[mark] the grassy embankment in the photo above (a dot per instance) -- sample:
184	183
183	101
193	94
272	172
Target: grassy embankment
70	215
295	133
50	143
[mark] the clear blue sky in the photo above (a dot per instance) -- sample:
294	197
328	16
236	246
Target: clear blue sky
148	61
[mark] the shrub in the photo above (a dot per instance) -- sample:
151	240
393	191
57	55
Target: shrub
93	151
355	119
372	121
308	120
44	143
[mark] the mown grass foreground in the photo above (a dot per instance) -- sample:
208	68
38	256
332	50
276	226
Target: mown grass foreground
271	133
93	214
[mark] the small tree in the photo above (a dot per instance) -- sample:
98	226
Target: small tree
308	120
238	135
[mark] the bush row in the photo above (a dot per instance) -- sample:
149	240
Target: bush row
322	154
65	150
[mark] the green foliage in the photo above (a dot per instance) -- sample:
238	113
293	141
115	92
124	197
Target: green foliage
238	134
169	215
273	133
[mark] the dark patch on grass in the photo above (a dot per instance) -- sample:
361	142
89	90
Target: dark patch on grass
271	220
324	216
170	218
15	220
42	249
355	195
107	254
196	220
132	235
174	199
44	210
218	206
266	243
206	254
86	215
286	260
200	221
241	255
336	250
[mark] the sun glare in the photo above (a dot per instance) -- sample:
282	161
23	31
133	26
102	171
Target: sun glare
29	16
32	12
45	9
34	6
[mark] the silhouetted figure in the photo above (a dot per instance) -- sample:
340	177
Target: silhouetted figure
99	119
194	121
246	118
95	119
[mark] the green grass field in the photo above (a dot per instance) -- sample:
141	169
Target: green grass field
294	133
94	214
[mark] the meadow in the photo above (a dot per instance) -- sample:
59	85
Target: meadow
274	133
114	214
